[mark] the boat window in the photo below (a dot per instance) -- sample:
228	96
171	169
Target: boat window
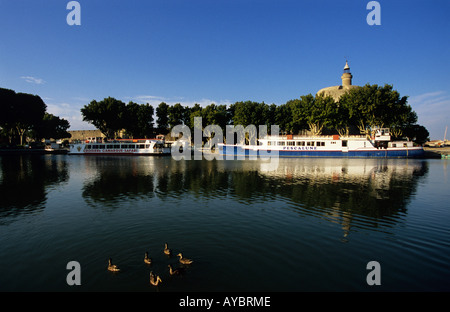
88	146
147	145
300	143
269	143
290	143
280	143
310	143
94	146
405	144
320	143
141	145
394	145
344	143
109	146
101	147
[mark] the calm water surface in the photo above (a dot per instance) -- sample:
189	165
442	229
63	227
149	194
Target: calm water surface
310	225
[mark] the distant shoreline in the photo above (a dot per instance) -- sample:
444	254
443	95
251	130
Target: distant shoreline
430	152
22	151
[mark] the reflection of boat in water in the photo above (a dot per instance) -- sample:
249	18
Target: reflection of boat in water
96	146
349	192
329	170
379	145
54	148
378	172
356	193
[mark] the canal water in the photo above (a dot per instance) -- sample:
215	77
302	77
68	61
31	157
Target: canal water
310	224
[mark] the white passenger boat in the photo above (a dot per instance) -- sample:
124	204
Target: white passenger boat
379	145
98	146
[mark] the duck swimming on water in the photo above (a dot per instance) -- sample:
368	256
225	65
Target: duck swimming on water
147	259
154	280
112	267
173	271
184	260
167	251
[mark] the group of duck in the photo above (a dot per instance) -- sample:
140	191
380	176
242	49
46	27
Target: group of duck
155	279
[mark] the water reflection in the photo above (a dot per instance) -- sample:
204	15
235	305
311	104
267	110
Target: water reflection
24	183
333	189
354	193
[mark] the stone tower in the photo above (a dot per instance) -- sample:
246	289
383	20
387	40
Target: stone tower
336	91
346	76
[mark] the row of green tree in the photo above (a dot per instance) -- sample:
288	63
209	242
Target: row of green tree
359	111
24	115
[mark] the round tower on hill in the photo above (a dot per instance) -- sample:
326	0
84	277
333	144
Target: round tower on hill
337	91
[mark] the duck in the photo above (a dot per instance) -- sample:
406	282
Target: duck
147	259
112	267
154	280
176	271
167	251
184	260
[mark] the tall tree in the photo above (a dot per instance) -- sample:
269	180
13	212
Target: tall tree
251	113
372	106
107	115
28	111
417	133
162	118
145	120
52	127
176	114
7	101
139	120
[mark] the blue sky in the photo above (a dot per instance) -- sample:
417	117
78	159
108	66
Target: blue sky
223	51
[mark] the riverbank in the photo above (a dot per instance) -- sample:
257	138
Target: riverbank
22	151
31	151
437	152
430	152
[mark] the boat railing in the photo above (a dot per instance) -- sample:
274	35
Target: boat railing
314	137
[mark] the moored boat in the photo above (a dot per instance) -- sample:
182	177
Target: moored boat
379	145
97	146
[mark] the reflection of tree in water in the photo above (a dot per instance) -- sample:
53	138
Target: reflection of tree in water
116	178
139	178
24	182
335	191
338	194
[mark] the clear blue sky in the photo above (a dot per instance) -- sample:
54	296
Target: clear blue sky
223	51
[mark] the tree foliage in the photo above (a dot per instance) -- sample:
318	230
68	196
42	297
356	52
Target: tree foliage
373	106
162	118
138	121
107	115
360	110
23	113
112	116
52	127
